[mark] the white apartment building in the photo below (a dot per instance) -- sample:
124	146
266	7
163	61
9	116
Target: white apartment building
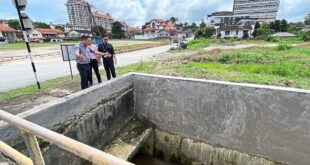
78	12
217	19
104	20
256	9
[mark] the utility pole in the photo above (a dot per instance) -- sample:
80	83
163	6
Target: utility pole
26	25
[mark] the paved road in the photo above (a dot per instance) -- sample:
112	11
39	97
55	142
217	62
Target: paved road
19	74
56	48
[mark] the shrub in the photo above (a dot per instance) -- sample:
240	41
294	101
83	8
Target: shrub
272	39
283	47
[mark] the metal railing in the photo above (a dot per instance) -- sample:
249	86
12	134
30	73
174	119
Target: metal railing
31	131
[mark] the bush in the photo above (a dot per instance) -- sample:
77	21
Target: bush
206	32
198	43
272	39
283	47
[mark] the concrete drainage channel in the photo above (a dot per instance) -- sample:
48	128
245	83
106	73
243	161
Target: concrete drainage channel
151	119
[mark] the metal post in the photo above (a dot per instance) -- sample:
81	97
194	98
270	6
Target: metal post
69	61
27	43
33	148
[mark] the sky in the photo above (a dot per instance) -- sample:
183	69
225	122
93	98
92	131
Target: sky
137	12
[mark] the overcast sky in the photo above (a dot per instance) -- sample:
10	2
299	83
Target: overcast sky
136	12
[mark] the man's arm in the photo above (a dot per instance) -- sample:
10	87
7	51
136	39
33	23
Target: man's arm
78	54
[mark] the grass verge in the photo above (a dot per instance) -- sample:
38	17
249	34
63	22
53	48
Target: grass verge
31	89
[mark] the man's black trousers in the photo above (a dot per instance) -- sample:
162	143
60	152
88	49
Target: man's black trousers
84	70
109	67
94	65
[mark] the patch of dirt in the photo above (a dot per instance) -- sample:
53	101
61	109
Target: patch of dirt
23	103
285	83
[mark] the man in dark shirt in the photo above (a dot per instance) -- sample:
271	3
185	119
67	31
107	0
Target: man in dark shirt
109	57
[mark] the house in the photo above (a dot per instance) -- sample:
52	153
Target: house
46	35
284	35
79	33
132	31
234	31
7	34
306	28
4	22
158	29
124	26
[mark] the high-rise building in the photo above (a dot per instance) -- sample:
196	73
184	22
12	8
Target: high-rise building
266	10
79	14
104	20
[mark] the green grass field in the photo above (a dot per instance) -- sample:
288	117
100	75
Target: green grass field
268	66
204	42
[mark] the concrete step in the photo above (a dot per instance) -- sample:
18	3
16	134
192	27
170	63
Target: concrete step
128	142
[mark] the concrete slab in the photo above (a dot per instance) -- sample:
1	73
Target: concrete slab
127	143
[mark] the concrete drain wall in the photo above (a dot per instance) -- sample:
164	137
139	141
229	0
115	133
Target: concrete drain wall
265	122
269	122
167	148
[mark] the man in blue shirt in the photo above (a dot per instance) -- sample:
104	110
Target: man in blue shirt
109	57
82	59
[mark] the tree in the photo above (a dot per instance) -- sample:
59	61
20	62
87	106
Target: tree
98	30
284	26
173	19
144	26
307	21
206	32
117	31
60	28
295	27
202	24
257	26
194	27
14	23
275	26
263	31
41	25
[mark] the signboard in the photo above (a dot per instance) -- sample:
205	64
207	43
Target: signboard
68	52
21	4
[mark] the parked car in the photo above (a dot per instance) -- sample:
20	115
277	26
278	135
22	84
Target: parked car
175	45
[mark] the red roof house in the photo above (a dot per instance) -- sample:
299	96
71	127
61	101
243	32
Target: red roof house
7	33
41	33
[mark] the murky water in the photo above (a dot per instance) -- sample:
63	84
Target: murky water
144	159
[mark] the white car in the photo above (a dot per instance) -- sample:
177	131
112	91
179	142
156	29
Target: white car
175	45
